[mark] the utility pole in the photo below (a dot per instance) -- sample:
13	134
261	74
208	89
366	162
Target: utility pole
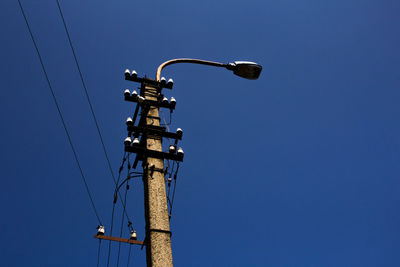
158	249
147	138
149	150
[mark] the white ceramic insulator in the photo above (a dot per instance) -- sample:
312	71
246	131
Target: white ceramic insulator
127	141
129	121
133	235
101	230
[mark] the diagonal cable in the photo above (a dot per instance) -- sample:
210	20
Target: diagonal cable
98	253
86	91
59	112
122	222
173	194
129	255
113	208
90	103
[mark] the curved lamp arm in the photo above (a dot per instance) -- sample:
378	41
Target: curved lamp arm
245	69
186	60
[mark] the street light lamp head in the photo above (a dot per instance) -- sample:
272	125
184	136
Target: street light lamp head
245	69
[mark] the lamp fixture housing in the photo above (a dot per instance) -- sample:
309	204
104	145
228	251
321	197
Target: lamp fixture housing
245	69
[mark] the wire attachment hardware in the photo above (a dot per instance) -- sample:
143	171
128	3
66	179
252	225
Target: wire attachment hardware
134	78
100	230
155	131
154	153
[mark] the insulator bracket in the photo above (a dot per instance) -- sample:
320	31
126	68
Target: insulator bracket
154	103
153	153
148	81
154	130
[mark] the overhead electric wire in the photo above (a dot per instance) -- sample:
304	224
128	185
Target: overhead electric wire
173	193
109	242
169	189
122	219
59	113
136	173
86	91
114	202
122	223
90	103
124	202
126	180
167	125
129	254
98	254
170	120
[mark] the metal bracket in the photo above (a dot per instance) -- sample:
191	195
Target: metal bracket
149	81
153	169
154	130
118	239
154	103
153	153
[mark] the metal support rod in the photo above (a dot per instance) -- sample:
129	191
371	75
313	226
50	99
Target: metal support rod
187	60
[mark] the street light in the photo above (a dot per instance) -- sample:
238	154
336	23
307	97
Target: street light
245	69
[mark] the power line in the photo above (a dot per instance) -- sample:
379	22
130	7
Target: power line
90	104
59	112
98	253
114	202
86	91
173	194
129	255
109	242
122	221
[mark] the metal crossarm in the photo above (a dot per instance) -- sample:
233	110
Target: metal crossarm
148	81
153	103
153	153
154	130
118	239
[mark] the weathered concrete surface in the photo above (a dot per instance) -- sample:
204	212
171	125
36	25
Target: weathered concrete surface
159	251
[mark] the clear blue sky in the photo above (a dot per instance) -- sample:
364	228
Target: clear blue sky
298	168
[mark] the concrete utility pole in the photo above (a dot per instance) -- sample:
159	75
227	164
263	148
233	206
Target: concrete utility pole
149	151
158	249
